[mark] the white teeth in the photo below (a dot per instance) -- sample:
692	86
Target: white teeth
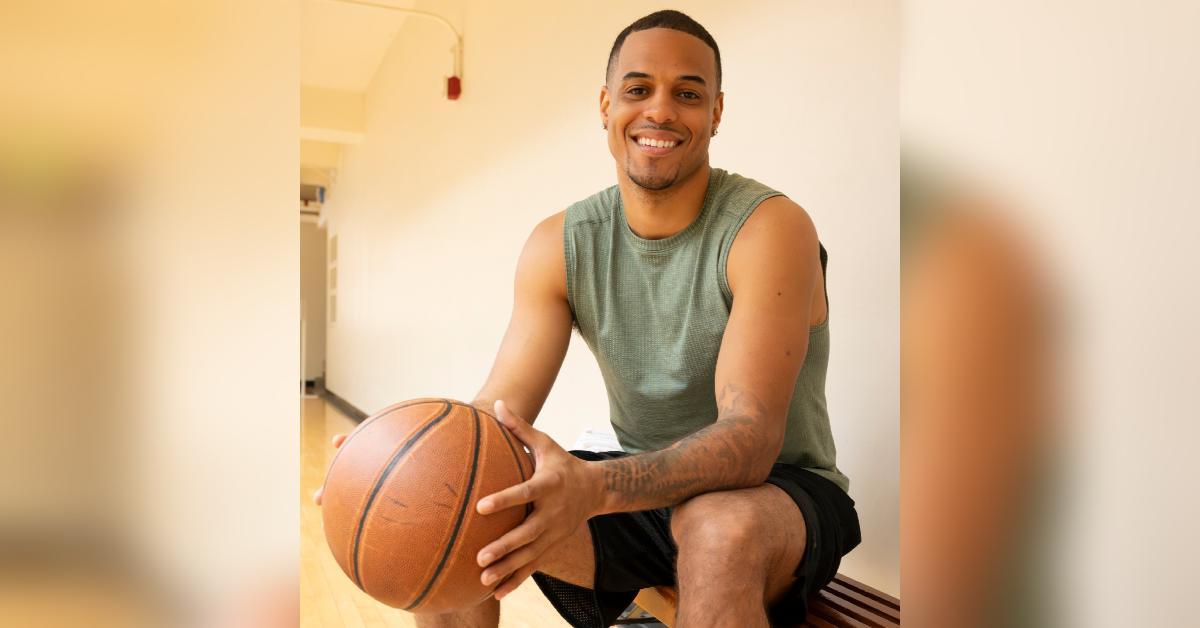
645	141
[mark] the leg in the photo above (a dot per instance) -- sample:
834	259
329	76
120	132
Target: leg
486	615
738	551
572	561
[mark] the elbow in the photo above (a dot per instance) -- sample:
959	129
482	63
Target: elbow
767	452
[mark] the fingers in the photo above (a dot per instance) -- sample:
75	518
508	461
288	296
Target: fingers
522	493
517	538
515	581
338	439
511	564
316	497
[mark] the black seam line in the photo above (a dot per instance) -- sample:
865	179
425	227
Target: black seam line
520	468
383	478
362	425
462	513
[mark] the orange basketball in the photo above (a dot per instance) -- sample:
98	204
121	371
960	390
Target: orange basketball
399	502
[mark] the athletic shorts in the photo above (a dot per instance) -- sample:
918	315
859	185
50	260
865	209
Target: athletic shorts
634	550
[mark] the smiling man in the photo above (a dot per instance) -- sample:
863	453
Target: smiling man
702	295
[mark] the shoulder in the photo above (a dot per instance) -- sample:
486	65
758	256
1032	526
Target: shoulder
777	223
545	242
542	262
779	235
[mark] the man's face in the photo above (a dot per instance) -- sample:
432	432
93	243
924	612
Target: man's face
662	90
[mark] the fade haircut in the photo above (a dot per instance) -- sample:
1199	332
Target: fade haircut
673	20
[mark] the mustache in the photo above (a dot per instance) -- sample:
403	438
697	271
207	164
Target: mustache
658	127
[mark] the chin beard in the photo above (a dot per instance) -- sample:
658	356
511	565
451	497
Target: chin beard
651	182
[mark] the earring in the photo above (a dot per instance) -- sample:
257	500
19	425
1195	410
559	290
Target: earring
714	132
604	125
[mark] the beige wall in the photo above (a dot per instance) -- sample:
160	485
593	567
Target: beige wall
432	208
313	275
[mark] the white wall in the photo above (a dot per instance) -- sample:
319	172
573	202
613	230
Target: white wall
432	208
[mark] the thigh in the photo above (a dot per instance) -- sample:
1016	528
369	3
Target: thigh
571	560
831	531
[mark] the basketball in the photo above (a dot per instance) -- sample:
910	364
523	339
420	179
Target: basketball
399	502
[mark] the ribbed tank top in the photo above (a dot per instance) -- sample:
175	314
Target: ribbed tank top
653	312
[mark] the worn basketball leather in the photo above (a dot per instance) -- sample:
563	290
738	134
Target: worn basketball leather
399	502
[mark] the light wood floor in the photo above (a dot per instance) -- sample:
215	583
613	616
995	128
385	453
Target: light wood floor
328	599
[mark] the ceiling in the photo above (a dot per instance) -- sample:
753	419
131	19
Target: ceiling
342	45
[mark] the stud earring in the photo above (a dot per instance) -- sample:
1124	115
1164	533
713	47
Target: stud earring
714	132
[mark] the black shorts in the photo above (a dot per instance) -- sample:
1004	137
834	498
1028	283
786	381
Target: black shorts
634	550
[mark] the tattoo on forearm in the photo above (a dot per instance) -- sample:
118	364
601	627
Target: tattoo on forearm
730	453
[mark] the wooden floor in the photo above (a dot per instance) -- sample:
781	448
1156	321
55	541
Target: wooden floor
328	599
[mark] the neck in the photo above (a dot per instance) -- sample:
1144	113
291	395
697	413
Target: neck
658	214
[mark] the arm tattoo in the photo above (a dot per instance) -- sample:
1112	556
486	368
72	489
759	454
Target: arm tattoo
736	451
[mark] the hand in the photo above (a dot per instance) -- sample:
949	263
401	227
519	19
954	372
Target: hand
338	439
564	490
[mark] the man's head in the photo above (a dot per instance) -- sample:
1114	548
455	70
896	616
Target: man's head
662	100
673	20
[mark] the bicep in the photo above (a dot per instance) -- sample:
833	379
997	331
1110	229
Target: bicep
772	272
539	329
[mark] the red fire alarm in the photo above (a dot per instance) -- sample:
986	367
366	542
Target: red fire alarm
453	88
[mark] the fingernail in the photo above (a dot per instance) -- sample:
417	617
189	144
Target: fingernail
486	559
484	507
489	578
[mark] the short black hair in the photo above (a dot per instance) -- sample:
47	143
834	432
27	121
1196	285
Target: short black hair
674	20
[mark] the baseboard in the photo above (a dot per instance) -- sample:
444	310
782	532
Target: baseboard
346	407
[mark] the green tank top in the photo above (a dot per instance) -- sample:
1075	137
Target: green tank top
654	311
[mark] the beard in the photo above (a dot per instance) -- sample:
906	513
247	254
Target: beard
653	179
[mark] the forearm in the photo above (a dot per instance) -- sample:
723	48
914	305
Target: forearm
524	404
735	452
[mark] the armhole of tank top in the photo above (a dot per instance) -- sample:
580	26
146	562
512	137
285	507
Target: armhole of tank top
824	255
723	256
569	260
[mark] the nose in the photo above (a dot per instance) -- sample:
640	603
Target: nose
660	109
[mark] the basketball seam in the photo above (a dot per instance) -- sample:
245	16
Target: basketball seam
379	484
462	513
364	424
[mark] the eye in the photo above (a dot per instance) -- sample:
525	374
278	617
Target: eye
690	95
636	90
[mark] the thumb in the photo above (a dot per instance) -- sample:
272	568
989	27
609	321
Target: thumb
515	424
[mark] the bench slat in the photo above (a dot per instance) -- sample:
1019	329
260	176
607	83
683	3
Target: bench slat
863	589
884	611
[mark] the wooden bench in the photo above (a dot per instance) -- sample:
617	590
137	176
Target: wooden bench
843	602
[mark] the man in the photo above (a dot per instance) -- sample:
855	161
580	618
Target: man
702	295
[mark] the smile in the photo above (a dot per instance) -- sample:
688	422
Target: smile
645	141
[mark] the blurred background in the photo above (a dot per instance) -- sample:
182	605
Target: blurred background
1027	373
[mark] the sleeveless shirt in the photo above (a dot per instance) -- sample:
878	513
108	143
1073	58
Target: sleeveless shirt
653	312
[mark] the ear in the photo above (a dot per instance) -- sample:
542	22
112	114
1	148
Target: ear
718	107
604	105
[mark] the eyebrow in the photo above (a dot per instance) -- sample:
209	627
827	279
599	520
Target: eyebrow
685	77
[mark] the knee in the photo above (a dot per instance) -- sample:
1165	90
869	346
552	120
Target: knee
720	524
